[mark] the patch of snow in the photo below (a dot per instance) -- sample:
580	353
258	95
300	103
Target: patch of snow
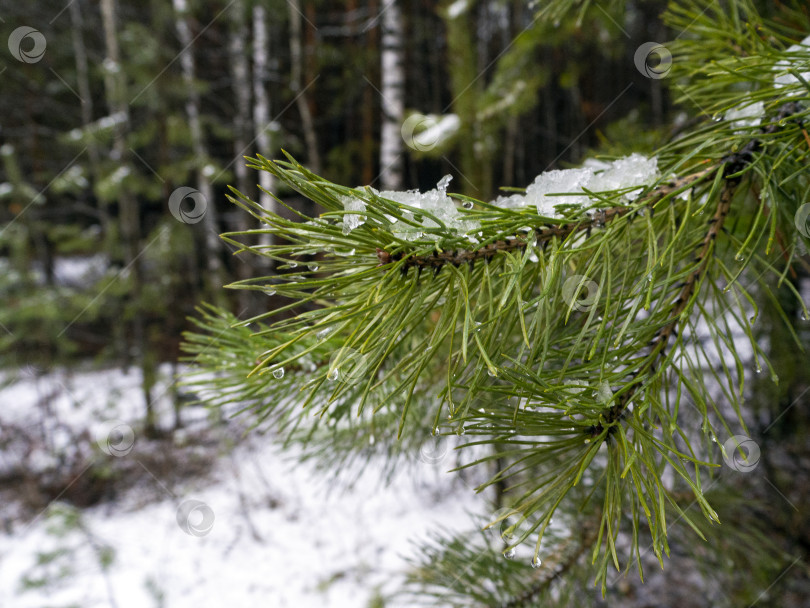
108	122
435	202
458	8
110	66
746	115
119	174
558	181
79	270
281	535
785	79
567	186
512	201
633	170
352	220
506	101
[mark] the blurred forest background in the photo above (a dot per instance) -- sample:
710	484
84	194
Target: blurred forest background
131	100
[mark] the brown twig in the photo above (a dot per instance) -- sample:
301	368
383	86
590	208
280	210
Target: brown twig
733	164
542	235
659	343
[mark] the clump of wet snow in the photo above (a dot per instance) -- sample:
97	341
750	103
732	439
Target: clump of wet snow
561	182
435	202
785	78
352	220
514	201
746	114
458	8
633	170
750	114
568	186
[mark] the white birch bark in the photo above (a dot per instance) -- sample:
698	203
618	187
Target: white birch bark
393	97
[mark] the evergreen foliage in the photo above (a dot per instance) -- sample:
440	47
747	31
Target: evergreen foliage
584	358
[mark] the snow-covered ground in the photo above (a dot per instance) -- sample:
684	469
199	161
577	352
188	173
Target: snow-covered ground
265	531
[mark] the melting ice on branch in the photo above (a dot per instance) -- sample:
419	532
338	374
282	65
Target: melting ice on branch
567	186
434	201
352	220
785	78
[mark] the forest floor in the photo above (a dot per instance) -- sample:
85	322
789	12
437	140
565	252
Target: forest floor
83	528
79	527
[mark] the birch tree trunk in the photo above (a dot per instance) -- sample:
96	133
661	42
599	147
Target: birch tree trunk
129	216
393	97
211	242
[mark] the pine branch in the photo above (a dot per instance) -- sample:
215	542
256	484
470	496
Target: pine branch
503	346
542	234
734	165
